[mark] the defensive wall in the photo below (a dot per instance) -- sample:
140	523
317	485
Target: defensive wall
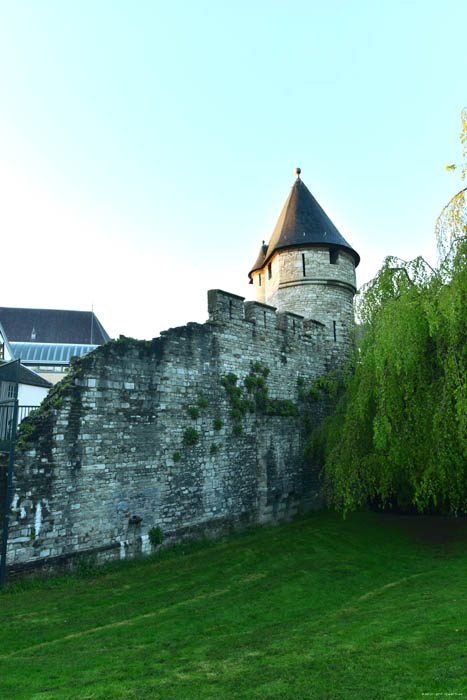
193	432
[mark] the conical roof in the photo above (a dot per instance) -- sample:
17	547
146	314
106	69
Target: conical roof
261	257
302	223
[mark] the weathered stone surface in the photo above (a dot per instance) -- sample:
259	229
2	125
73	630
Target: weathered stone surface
106	461
305	281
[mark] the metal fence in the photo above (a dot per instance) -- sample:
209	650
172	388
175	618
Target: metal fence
6	419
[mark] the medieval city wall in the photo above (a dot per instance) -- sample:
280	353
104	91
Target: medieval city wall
146	435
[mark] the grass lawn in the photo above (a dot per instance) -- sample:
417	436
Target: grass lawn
371	607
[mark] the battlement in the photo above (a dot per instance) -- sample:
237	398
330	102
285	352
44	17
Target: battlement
260	314
223	306
226	307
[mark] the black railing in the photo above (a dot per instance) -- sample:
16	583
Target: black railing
6	421
24	411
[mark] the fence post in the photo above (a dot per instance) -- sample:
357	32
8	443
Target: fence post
9	484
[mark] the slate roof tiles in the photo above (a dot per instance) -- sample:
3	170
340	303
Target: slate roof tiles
52	326
302	223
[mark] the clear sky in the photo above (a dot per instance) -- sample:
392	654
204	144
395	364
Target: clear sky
147	147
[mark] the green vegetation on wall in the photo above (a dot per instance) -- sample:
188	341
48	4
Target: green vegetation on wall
155	536
190	436
253	397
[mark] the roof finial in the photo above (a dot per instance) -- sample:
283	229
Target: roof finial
297	172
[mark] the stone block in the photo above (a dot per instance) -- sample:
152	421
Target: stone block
290	322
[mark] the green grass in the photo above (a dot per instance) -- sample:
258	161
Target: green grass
367	608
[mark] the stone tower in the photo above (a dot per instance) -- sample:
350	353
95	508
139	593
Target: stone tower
308	268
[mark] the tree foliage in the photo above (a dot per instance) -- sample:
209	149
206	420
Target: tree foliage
452	221
399	433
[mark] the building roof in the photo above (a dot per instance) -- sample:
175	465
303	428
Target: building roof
50	353
302	223
24	376
259	264
3	335
52	326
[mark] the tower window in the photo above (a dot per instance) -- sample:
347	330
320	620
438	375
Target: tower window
230	308
303	264
259	280
335	333
264	316
333	254
269	271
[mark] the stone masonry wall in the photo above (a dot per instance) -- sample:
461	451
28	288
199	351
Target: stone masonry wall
104	461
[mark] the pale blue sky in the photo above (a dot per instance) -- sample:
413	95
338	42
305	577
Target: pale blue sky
147	148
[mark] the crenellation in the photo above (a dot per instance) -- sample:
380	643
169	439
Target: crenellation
290	322
224	306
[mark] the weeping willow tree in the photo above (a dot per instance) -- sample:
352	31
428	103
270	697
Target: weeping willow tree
399	434
452	221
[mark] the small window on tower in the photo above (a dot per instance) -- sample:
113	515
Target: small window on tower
2	351
259	280
269	271
303	264
333	256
